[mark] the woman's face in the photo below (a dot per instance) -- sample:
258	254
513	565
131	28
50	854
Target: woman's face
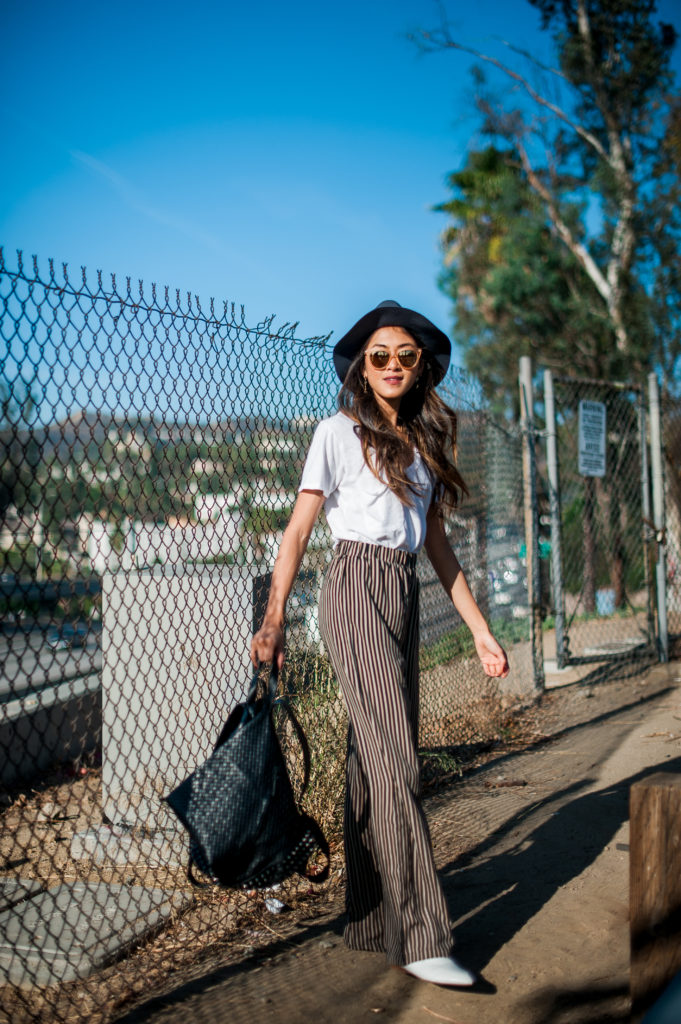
391	382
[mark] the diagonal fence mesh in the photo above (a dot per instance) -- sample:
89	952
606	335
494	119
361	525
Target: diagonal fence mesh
671	441
604	521
151	451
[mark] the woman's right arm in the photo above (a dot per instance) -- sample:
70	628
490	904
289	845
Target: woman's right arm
450	573
268	642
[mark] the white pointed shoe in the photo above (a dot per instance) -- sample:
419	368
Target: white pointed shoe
440	970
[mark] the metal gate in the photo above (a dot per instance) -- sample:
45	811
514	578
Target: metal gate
595	521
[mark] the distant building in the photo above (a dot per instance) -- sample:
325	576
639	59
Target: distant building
149	544
14	529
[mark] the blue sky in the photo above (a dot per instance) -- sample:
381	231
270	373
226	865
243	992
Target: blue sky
283	156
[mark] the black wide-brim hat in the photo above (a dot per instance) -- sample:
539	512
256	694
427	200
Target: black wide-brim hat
390	314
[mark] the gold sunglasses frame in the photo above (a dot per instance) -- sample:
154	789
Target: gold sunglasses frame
382	351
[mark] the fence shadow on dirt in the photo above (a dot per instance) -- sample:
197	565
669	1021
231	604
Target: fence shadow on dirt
505	880
595	1004
476	885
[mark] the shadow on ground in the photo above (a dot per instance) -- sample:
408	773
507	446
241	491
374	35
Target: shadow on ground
493	891
502	882
597	1004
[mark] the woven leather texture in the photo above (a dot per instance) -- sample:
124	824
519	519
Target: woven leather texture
245	827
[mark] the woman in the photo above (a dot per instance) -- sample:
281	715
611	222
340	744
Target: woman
384	469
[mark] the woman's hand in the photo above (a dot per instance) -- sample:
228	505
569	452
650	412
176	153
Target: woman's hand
446	565
491	654
268	645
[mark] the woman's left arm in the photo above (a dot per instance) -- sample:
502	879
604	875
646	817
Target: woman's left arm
451	576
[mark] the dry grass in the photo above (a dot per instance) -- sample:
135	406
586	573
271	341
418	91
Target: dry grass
36	830
321	713
216	926
35	834
460	706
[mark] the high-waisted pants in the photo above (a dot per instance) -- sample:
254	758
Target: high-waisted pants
369	620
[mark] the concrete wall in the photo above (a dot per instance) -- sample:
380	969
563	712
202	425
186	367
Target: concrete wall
175	661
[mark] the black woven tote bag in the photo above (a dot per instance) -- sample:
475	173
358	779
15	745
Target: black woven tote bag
245	828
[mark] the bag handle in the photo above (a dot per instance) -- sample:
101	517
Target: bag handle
271	698
320	839
196	882
284	703
313	827
302	739
249	704
271	685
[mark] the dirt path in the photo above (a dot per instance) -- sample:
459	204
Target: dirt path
533	852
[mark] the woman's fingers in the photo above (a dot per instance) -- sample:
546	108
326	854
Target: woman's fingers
492	655
267	645
495	668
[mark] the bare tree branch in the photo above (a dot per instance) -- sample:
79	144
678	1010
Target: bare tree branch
580	252
533	60
616	158
445	42
622	246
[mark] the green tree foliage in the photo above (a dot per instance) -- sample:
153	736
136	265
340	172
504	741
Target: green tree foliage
564	233
515	290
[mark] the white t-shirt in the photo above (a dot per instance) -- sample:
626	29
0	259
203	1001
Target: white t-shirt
358	506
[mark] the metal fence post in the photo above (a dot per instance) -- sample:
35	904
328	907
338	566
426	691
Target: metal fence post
531	521
554	504
658	515
648	531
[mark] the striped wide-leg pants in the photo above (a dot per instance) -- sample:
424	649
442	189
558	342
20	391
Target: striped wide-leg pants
369	619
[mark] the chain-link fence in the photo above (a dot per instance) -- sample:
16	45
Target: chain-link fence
671	537
151	451
601	587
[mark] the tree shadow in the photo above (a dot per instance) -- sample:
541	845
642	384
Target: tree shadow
494	894
594	1004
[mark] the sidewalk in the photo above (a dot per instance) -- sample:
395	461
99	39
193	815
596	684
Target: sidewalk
533	852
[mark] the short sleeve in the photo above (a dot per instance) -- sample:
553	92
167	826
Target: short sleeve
321	470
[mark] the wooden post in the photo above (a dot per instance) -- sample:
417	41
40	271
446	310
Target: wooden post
654	887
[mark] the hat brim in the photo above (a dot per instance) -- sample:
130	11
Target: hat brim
435	341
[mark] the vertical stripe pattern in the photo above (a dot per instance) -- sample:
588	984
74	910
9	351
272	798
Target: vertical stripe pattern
368	615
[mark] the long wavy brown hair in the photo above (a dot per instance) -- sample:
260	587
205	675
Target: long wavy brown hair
425	422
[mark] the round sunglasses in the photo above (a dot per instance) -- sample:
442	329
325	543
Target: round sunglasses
408	358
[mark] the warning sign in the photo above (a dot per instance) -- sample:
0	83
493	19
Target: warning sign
592	438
